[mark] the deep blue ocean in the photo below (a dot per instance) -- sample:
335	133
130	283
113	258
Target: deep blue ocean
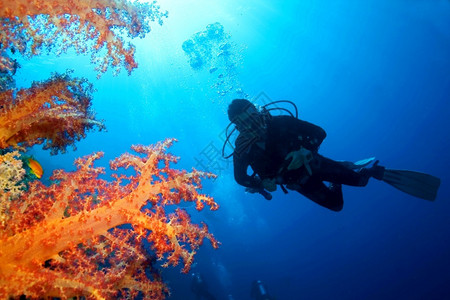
375	74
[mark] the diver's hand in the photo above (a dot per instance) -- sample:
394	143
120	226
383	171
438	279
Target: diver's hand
300	158
269	184
261	191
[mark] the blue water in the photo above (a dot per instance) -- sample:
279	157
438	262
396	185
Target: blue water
374	74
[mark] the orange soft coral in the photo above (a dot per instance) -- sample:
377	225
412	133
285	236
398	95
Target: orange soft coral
63	240
29	26
56	112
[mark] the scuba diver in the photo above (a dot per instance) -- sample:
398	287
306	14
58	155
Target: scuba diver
200	288
259	291
283	150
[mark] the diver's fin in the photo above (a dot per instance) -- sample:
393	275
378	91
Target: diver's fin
417	184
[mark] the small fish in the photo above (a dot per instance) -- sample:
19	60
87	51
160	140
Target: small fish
35	168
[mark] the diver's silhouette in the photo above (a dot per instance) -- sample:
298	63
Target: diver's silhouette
259	291
284	150
200	288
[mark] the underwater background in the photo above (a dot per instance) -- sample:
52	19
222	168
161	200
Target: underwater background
374	74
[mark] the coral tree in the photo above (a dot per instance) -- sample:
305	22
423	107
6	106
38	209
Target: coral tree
56	112
66	239
28	26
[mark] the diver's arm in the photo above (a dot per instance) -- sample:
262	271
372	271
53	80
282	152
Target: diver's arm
240	174
311	134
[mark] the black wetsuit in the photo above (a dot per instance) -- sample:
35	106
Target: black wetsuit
266	155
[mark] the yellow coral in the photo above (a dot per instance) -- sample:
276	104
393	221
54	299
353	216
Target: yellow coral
11	174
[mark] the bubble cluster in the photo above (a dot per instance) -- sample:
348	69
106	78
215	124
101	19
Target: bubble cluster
213	50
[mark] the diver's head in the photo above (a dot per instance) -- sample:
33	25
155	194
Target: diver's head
239	106
245	116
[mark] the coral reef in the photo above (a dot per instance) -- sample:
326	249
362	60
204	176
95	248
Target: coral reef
72	239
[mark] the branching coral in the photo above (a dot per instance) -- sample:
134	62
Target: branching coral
56	112
30	26
64	240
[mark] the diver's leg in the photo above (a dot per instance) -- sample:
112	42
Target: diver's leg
318	192
336	172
